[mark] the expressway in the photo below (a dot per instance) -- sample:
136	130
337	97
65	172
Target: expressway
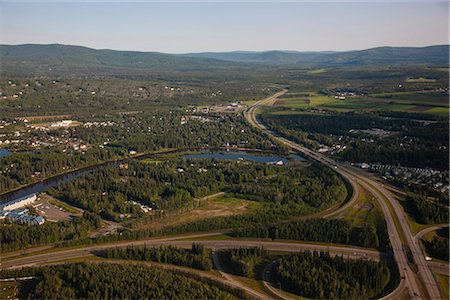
186	241
410	280
61	255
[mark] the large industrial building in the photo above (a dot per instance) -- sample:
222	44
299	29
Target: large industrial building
18	203
13	211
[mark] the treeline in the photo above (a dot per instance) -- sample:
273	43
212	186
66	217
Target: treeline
15	236
410	142
320	276
197	257
243	260
425	211
318	230
316	187
438	247
118	281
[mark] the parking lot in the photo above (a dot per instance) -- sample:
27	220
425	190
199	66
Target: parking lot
51	211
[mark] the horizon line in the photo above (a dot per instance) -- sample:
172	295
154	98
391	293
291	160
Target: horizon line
222	51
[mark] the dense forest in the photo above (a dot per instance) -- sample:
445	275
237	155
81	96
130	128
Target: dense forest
406	142
173	185
319	276
243	260
15	236
197	257
426	211
119	281
318	230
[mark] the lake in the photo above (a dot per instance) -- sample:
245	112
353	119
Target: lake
240	155
4	152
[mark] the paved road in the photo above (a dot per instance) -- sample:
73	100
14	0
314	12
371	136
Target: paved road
237	283
410	280
436	266
269	286
186	241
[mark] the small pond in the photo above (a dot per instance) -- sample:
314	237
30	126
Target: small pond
4	152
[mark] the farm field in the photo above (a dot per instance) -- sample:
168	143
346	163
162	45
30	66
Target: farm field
303	100
435	103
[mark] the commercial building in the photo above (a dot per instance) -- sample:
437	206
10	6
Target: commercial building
18	203
14	211
20	216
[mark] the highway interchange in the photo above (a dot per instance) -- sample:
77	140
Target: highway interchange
410	280
419	286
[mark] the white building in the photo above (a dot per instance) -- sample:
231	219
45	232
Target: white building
18	203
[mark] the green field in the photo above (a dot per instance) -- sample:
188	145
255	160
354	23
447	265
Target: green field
443	283
303	100
435	103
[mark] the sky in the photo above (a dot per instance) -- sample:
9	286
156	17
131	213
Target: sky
182	26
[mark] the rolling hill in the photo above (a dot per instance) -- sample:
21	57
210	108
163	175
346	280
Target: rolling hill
65	59
381	56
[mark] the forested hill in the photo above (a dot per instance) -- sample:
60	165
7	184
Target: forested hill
65	59
381	56
58	59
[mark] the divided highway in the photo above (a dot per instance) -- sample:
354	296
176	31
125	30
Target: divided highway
410	280
186	241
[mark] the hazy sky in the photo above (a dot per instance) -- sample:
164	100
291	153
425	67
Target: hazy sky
213	26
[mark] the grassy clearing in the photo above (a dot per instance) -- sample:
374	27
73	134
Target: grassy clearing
64	206
173	155
440	111
151	161
420	79
317	71
365	211
249	102
217	207
443	283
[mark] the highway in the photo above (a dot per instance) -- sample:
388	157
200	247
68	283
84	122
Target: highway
410	280
186	241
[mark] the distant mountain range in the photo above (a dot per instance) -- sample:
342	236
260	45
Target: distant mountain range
432	55
63	59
